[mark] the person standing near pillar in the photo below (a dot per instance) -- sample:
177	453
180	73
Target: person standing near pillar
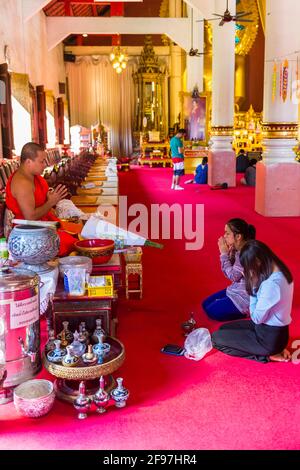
177	155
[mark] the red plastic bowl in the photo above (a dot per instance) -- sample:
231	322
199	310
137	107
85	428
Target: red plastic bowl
99	250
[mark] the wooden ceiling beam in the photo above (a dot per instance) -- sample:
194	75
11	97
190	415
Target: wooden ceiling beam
32	7
81	10
84	2
68	8
117	9
177	29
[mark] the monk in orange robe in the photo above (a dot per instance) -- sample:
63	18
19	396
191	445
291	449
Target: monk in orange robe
28	195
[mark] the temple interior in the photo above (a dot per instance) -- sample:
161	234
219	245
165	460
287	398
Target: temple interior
132	135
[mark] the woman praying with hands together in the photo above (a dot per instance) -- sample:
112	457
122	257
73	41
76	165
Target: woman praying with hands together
231	303
269	282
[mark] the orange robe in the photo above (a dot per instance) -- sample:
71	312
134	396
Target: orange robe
40	196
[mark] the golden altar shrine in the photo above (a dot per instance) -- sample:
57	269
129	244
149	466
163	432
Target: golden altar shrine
155	153
150	84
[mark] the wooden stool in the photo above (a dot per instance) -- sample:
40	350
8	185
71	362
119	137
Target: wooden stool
134	268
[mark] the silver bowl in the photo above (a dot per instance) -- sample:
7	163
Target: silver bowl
34	245
34	398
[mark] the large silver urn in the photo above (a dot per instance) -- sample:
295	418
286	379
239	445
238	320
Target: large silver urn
20	312
34	246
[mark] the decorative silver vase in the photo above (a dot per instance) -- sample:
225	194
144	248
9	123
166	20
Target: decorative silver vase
77	347
82	403
57	354
69	360
120	394
89	358
34	246
98	331
67	333
83	334
50	345
101	349
101	397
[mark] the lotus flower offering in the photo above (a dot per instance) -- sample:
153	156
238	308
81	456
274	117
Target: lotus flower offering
96	227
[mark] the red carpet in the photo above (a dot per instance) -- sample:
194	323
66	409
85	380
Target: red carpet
217	403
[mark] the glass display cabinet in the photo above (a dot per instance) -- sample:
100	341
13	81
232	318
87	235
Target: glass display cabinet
149	81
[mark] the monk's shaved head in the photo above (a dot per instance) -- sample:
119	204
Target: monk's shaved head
30	151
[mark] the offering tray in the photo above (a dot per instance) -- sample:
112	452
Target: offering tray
68	378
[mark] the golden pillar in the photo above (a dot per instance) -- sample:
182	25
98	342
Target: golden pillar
176	67
240	79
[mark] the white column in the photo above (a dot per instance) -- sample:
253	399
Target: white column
223	70
221	158
195	64
277	191
282	38
175	83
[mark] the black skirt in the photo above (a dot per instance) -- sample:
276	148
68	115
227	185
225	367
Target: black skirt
244	338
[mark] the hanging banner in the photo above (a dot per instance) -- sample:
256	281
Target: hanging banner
297	80
291	82
280	81
274	82
285	80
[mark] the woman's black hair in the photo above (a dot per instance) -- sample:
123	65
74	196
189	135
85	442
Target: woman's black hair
241	227
204	160
258	259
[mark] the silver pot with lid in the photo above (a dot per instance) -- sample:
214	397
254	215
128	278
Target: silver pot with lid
20	313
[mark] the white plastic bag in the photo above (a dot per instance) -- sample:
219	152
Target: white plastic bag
66	208
197	344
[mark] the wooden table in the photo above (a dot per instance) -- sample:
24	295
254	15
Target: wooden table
155	153
155	161
75	309
163	147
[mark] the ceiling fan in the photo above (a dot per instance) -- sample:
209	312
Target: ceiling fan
227	17
193	52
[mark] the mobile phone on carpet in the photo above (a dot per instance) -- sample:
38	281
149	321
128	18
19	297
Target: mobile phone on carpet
173	349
